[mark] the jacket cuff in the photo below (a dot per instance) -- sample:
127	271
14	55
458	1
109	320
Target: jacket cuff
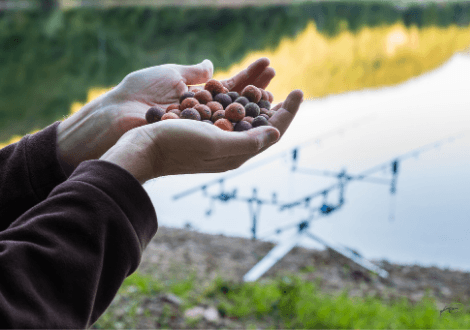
45	172
125	190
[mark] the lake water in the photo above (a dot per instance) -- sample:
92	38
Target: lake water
431	222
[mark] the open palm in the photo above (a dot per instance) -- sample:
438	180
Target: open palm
163	85
90	132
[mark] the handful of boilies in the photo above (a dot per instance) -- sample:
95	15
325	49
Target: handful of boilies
216	105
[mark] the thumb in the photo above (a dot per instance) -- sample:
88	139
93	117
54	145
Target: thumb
265	135
196	74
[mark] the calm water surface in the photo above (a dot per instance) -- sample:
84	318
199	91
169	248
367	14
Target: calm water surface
429	222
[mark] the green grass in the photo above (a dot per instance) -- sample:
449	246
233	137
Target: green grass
284	302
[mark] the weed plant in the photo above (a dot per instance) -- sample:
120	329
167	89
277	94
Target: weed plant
286	301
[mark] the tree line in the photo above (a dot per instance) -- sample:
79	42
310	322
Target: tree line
51	58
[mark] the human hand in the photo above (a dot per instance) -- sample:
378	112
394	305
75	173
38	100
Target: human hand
184	146
90	132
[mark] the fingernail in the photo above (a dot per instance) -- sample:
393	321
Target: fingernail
272	136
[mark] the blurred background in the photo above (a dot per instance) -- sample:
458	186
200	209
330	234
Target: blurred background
381	80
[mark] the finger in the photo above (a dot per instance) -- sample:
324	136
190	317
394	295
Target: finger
227	163
247	76
196	74
284	116
248	142
263	80
277	106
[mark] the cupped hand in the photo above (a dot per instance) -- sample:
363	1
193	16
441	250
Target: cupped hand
90	132
182	146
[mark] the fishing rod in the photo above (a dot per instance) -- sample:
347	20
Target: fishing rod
255	203
316	140
279	251
364	175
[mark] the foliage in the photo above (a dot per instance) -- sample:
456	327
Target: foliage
51	58
286	301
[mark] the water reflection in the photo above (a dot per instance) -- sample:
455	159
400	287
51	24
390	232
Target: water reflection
373	57
54	59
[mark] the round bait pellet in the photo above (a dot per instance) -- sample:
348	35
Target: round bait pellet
235	112
190	114
215	106
170	115
264	115
259	121
219	114
270	96
176	112
242	100
264	104
252	93
264	95
248	119
233	95
224	124
204	111
252	110
203	96
186	95
154	114
242	126
214	87
223	99
189	102
172	106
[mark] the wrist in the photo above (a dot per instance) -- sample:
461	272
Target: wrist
82	136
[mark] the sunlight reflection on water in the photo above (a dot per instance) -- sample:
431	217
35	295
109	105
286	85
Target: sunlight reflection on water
431	216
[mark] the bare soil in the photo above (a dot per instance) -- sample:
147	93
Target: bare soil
174	253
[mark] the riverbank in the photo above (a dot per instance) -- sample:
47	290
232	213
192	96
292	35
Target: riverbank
174	254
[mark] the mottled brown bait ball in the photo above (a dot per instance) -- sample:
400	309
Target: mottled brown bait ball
264	115
242	100
214	86
242	126
235	112
264	104
219	114
170	115
224	124
186	95
204	111
263	111
207	121
223	99
189	102
215	106
252	93
264	95
233	95
203	96
271	113
197	89
248	119
176	112
270	96
154	114
252	110
172	106
259	121
190	114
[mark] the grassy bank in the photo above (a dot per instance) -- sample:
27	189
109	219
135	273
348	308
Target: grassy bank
284	302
